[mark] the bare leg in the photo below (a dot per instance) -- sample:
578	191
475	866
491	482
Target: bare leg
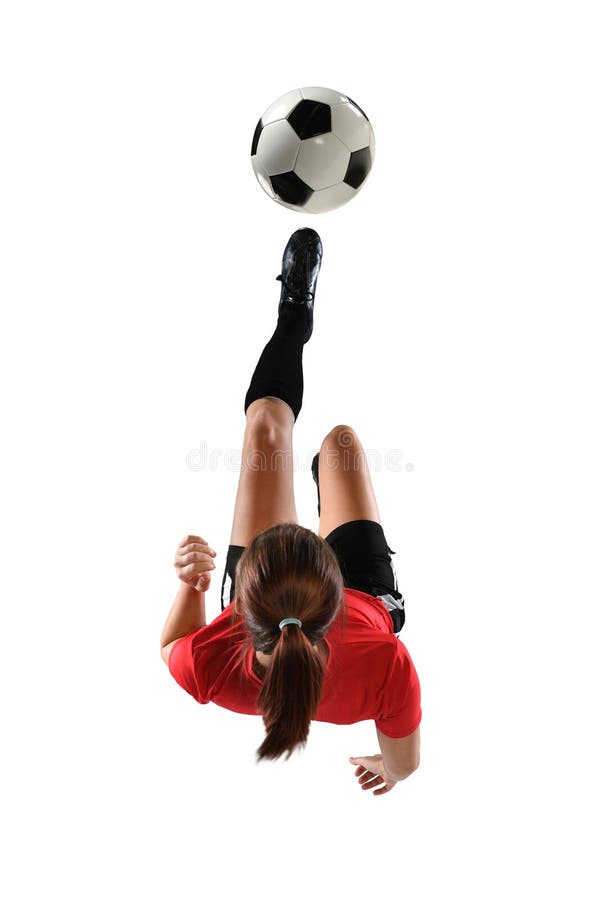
344	481
265	495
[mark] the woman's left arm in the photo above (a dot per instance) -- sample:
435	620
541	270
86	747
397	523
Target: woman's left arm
187	614
193	564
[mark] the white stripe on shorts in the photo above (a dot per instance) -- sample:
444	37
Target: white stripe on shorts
227	585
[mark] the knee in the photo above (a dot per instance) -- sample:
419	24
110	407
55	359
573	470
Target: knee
341	437
265	426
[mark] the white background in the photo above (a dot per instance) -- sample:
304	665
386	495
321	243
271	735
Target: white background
456	321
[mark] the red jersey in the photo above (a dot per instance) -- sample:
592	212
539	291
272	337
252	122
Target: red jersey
369	673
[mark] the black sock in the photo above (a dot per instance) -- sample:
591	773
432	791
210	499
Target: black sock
278	372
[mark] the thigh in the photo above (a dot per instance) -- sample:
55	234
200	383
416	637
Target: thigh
345	486
364	556
365	559
265	495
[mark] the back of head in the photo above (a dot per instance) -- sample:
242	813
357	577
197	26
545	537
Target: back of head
288	572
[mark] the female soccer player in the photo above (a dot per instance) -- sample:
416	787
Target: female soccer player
309	622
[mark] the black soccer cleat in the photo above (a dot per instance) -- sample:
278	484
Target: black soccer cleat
299	271
315	474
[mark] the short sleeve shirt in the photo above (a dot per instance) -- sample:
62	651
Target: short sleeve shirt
369	673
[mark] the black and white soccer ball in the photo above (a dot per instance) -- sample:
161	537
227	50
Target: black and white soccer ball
312	149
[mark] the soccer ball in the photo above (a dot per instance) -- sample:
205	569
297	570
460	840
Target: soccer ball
313	149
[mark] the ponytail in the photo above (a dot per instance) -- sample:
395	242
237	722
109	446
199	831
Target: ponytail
288	571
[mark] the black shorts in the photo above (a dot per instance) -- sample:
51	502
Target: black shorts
365	561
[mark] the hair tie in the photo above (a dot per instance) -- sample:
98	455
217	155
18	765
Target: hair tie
289	622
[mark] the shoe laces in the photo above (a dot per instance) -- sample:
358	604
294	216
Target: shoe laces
297	295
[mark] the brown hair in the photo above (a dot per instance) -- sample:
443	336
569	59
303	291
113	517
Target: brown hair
288	571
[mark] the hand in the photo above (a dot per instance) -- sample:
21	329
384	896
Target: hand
371	772
194	562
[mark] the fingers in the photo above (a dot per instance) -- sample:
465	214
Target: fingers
187	556
368	779
191	539
203	583
195	568
364	775
194	561
372	782
363	770
191	544
193	549
384	790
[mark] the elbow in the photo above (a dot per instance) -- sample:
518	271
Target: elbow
415	767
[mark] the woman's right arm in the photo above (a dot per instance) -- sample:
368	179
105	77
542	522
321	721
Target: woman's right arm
401	756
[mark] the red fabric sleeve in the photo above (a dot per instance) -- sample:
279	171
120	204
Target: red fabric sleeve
402	707
183	668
